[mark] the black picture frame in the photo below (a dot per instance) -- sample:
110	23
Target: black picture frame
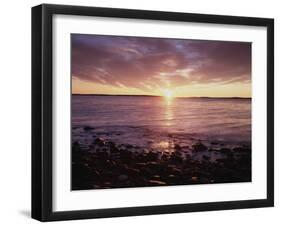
42	107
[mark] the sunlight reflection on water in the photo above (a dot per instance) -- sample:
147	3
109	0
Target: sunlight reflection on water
169	114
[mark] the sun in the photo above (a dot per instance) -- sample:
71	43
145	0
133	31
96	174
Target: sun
168	93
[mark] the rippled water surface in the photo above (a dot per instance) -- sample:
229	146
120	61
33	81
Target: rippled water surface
159	122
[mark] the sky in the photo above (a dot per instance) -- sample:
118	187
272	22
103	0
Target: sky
121	65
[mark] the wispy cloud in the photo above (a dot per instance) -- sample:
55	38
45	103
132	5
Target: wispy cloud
145	63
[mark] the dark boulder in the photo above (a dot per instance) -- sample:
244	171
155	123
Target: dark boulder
152	156
199	147
177	147
99	141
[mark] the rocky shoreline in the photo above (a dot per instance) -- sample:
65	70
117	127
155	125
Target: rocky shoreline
105	164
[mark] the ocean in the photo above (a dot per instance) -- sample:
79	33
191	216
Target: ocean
159	122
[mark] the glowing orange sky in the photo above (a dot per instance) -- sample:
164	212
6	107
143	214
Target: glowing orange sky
149	66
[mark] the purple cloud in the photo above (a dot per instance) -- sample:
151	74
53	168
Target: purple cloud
149	62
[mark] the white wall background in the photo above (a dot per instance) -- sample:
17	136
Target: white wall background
15	93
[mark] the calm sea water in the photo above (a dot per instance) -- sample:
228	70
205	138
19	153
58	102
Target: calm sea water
153	121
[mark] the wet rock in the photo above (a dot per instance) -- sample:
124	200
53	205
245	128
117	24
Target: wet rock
126	156
107	184
115	155
147	172
224	150
141	164
88	128
129	146
240	149
230	155
111	144
102	155
198	147
244	160
176	171
145	151
171	166
177	147
80	176
99	141
107	173
76	147
123	177
77	153
114	150
140	158
133	171
156	182
194	179
188	157
204	180
165	156
206	158
75	144
156	167
220	160
214	143
152	156
176	157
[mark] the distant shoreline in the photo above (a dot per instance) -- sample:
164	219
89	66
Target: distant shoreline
126	95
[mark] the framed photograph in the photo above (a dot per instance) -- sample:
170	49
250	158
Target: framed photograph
145	112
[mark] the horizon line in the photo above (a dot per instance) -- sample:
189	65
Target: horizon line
147	95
